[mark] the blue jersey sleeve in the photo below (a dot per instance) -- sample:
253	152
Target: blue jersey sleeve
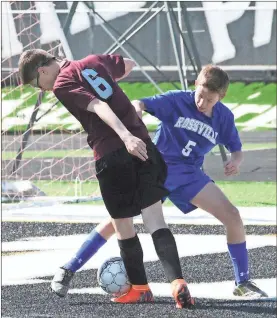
230	137
161	106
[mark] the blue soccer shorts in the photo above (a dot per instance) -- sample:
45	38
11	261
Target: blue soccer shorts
184	182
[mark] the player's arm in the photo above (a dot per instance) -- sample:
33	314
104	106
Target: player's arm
129	65
232	142
237	157
139	107
119	66
232	166
134	145
161	106
77	95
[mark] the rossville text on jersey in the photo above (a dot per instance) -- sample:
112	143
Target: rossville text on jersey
198	127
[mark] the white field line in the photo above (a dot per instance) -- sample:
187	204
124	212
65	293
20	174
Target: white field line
95	214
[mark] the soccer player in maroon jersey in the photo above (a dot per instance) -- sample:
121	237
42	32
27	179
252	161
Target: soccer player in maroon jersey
129	168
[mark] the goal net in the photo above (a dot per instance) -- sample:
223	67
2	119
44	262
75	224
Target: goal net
45	155
44	150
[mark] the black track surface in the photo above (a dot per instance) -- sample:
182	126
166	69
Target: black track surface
37	300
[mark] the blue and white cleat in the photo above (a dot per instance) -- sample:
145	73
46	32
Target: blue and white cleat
61	281
249	289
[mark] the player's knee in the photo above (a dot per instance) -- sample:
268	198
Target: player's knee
233	216
151	228
124	228
153	222
153	218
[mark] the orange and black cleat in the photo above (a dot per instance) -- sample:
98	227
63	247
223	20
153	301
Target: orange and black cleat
137	294
181	294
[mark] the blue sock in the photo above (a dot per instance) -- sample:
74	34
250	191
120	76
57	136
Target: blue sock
239	256
92	244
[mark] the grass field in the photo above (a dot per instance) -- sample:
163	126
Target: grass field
239	93
240	193
9	155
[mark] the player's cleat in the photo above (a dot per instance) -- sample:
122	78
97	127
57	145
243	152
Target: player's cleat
249	289
137	294
181	294
61	281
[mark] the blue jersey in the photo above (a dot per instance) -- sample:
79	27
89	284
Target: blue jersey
185	134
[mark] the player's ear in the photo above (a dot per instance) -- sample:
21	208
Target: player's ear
41	70
222	95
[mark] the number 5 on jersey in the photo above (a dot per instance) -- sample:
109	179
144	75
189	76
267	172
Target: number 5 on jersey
187	150
98	83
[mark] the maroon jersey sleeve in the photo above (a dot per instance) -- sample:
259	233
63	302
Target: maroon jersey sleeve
115	64
74	94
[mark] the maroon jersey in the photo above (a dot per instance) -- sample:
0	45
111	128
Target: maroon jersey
79	82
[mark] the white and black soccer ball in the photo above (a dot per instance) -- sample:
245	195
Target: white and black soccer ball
112	277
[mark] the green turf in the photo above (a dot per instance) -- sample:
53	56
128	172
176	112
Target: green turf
238	92
29	154
242	193
250	193
253	146
7	155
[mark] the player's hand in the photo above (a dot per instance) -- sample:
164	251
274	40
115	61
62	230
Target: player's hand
136	147
231	168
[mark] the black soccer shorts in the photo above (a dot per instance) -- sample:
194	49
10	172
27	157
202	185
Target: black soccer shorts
129	184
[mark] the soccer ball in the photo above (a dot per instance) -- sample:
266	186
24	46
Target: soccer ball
112	277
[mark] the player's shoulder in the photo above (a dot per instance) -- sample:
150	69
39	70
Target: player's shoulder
223	109
89	61
223	112
66	78
180	95
103	59
91	58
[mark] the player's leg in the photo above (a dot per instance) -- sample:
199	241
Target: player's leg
211	199
132	256
167	252
152	176
118	181
95	240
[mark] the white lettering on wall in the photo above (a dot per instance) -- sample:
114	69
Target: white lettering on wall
224	13
10	43
263	23
217	21
80	21
49	22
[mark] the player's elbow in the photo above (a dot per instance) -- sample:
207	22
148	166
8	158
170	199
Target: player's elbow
129	65
139	105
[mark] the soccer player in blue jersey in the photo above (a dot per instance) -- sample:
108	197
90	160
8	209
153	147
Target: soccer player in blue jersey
192	123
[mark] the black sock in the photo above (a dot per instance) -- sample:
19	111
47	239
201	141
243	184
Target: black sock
166	249
132	255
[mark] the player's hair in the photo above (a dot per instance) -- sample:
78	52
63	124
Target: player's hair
29	63
214	78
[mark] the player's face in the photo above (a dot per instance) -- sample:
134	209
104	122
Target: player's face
205	99
45	78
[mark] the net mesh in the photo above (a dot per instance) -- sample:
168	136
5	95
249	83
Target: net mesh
55	159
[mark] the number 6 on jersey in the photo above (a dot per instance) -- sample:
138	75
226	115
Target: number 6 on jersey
97	82
187	150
